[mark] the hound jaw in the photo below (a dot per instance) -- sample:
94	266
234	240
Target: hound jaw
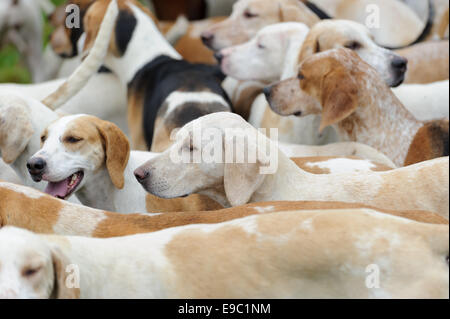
66	187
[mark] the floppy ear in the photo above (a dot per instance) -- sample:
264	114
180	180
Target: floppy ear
60	288
117	150
296	11
16	130
241	180
310	46
339	97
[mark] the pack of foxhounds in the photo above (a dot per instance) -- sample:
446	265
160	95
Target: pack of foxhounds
343	102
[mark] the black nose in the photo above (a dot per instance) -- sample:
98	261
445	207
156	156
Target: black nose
400	64
267	92
141	175
207	38
219	57
36	167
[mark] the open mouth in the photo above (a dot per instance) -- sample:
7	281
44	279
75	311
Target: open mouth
65	188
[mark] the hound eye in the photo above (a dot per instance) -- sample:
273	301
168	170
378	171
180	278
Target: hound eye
43	138
260	46
72	139
30	272
249	15
353	45
300	76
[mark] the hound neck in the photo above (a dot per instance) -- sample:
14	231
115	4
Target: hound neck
98	191
146	44
380	121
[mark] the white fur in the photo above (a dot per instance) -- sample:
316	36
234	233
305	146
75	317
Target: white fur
425	101
140	266
178	98
96	190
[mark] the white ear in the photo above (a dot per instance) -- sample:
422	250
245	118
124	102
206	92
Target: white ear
242	178
291	60
16	128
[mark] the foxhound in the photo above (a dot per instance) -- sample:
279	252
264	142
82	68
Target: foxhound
277	50
26	208
232	180
91	158
281	255
382	16
147	63
249	16
353	98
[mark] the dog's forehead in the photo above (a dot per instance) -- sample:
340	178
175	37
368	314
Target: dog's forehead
219	120
291	28
66	123
324	61
21	245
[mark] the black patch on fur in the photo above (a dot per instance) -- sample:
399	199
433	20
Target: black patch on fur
164	75
125	25
318	12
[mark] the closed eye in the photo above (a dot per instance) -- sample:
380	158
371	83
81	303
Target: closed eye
29	272
249	14
354	45
72	139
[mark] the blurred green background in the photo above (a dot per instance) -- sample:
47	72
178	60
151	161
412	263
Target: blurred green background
12	66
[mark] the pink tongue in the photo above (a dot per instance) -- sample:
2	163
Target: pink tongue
59	189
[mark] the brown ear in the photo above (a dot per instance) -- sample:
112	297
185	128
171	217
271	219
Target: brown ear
296	11
16	128
242	178
310	46
117	150
65	287
339	97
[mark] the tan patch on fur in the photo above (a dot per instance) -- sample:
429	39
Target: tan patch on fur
201	275
161	137
431	141
305	164
191	47
427	62
243	103
106	134
135	119
94	17
35	214
192	203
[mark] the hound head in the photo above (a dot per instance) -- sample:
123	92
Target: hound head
327	84
250	16
74	149
333	34
222	156
30	268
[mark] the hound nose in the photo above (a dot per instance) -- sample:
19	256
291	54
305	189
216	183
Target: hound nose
267	92
141	175
219	57
400	64
36	167
207	38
